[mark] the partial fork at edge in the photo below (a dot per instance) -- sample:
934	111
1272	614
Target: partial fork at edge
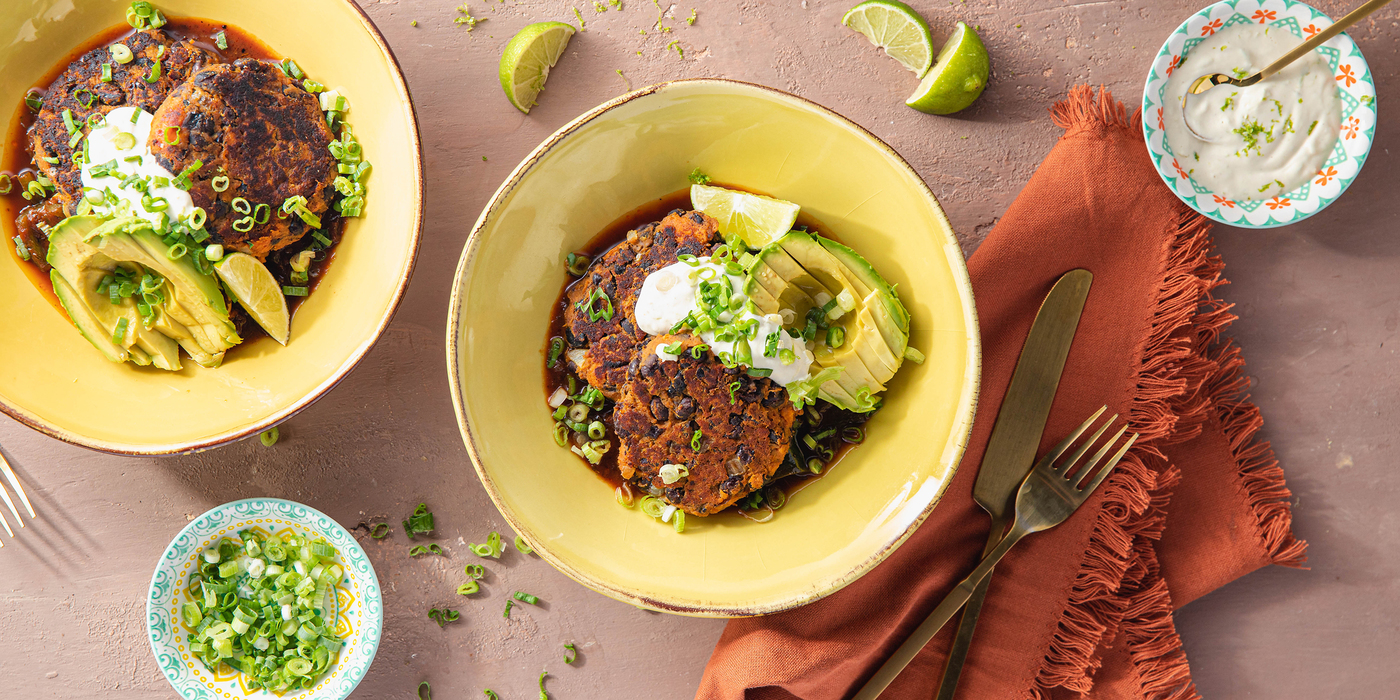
19	490
1048	496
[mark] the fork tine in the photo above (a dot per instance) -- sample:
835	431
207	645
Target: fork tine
1108	468
1098	456
14	481
1065	444
1067	469
6	498
3	521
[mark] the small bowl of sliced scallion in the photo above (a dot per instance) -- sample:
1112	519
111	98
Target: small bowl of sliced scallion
264	594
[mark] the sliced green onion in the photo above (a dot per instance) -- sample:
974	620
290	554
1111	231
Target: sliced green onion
624	495
221	41
913	355
262	213
506	614
119	334
678	521
379	531
589	306
526	598
476	571
759	372
87	103
172	135
34	99
469	588
673	348
570	654
7	183
561	433
671	473
489	693
72	126
155	73
597	430
21	249
695	439
269	436
425	691
556	348
835	337
244	224
522	546
577	264
219	183
241	205
295	291
120	53
421	522
321	238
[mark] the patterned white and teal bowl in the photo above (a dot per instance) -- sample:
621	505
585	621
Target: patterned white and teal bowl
1354	85
358	614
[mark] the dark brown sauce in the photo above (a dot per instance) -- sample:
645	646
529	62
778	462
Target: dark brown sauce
17	157
557	376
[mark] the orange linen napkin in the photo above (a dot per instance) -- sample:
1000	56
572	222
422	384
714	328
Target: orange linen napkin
1197	503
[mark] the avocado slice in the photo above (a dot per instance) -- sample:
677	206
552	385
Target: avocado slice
808	253
78	270
194	299
760	296
84	319
860	270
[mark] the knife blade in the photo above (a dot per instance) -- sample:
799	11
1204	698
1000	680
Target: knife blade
1010	452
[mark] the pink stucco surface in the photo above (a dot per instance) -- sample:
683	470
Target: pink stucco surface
1318	301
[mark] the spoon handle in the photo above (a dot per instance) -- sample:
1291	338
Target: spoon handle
1321	37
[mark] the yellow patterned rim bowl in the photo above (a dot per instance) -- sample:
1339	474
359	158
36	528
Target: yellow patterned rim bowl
355	614
53	380
615	158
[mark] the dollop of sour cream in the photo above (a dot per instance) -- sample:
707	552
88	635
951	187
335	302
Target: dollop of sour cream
130	127
668	296
1262	140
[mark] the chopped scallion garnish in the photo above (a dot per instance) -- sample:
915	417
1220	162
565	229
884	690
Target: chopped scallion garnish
269	436
522	546
570	653
295	291
120	53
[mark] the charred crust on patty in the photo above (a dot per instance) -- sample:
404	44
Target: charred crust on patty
619	273
248	121
744	434
129	87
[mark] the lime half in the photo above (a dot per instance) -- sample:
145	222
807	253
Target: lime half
257	291
527	59
756	219
957	78
896	28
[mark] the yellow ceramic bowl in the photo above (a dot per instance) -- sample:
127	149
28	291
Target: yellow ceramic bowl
54	381
615	158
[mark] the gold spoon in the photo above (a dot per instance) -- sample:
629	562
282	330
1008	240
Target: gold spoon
1210	80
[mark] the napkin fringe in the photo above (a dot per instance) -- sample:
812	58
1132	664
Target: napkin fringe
1261	476
1173	399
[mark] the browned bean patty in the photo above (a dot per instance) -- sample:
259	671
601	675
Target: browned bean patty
744	436
81	91
619	273
249	122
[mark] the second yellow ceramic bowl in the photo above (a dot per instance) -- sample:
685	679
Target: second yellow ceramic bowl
602	165
55	381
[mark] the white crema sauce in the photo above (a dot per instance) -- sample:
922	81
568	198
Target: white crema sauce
668	295
103	147
1262	140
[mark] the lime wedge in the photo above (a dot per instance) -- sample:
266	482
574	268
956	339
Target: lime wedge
957	78
527	59
756	219
896	28
257	291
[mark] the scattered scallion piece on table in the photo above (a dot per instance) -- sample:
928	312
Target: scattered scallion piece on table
523	546
379	531
476	571
544	695
490	694
420	523
269	436
425	691
468	588
506	614
526	598
570	654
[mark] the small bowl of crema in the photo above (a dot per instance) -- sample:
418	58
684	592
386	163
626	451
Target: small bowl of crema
1273	153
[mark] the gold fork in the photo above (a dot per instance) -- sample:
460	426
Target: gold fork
1050	493
19	490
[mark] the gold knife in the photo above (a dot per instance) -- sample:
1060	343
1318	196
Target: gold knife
1011	449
